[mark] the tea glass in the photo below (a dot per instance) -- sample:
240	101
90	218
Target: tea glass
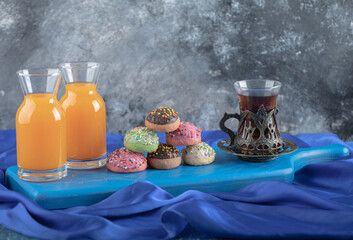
257	132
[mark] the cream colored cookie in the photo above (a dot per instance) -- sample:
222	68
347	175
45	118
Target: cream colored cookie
199	154
198	161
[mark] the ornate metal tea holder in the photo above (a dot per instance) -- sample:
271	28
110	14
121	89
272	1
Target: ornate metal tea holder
257	138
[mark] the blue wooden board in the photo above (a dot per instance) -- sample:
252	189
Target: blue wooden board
226	174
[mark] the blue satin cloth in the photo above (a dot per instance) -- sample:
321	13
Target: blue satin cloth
318	205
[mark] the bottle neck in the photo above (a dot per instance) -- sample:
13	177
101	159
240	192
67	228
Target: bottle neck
40	98
81	88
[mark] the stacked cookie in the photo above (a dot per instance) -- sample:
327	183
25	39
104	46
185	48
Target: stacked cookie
165	155
163	119
130	158
178	133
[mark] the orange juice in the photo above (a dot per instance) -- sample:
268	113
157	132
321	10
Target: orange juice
85	112
41	133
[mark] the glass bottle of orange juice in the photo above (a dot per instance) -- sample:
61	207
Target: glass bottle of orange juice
85	112
40	127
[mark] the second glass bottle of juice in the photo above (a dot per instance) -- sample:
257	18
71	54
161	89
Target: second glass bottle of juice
85	114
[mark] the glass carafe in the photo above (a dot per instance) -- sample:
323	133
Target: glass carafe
85	112
40	127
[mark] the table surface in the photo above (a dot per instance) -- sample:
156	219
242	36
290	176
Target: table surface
226	174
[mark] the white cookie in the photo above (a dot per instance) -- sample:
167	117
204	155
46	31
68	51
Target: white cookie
199	154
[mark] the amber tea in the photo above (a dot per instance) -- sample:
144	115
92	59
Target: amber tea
253	103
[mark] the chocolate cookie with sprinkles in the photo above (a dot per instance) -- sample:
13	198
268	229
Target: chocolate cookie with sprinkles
163	119
165	157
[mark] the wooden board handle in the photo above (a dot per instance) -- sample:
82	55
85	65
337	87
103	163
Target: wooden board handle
305	156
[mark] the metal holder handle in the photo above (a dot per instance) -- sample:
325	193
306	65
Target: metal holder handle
222	126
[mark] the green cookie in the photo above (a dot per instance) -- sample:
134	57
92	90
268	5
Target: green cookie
141	139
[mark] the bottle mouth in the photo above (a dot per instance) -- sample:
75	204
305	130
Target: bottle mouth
79	64
39	80
81	71
28	72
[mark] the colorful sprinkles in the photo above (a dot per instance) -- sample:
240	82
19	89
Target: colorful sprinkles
162	115
164	151
186	129
201	149
126	159
142	135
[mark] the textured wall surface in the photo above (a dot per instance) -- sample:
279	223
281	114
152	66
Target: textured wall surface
187	54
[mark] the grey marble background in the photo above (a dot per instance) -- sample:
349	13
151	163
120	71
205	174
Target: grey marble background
186	54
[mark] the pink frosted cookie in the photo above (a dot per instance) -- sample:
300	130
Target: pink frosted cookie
125	161
186	134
